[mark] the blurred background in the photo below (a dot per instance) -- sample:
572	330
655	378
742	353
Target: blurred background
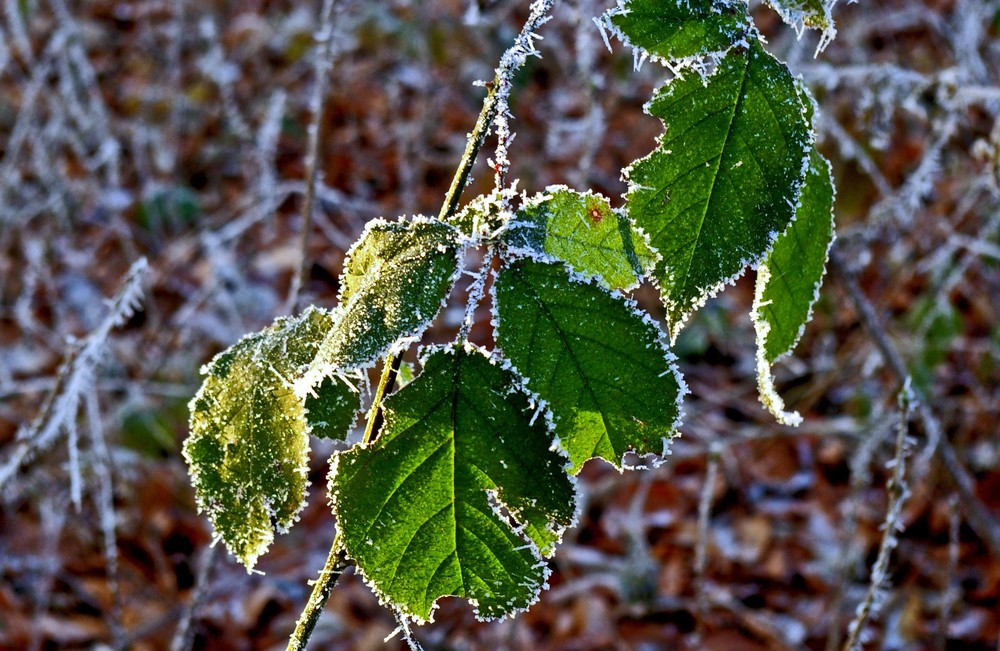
177	132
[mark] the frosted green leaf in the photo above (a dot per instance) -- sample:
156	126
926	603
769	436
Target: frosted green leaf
395	279
444	501
724	180
812	14
678	29
248	450
599	363
789	279
581	229
332	408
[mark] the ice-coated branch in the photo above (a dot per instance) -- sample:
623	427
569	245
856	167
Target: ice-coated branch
891	527
495	111
322	64
60	409
979	517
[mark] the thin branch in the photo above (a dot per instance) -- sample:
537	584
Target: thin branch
495	107
336	563
979	517
184	634
323	64
75	374
891	527
701	545
389	372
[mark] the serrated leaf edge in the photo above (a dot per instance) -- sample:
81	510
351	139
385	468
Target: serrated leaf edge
637	231
766	390
405	617
698	62
674	326
655	460
319	372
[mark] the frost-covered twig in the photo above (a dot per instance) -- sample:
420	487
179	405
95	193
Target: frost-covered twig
898	493
510	62
495	111
105	501
952	592
184	634
60	409
336	563
979	517
701	543
861	477
322	64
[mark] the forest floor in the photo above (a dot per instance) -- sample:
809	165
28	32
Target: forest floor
177	131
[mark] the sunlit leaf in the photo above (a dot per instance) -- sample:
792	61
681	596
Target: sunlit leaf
581	229
725	178
789	279
395	280
599	363
248	450
438	504
669	29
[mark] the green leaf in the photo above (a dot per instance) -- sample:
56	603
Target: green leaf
441	503
677	30
332	408
601	365
725	179
395	280
789	279
248	450
581	229
812	14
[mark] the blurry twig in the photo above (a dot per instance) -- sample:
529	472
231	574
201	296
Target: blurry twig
891	527
978	516
105	501
952	591
184	634
323	64
75	375
701	545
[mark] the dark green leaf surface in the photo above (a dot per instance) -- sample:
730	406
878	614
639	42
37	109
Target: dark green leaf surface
248	450
598	363
724	180
788	280
581	229
395	279
670	29
432	508
332	409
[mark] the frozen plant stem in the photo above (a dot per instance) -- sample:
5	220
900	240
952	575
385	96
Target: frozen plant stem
323	64
979	518
497	95
336	563
701	545
891	527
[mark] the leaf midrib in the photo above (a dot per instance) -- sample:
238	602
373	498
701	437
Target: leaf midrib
576	364
715	176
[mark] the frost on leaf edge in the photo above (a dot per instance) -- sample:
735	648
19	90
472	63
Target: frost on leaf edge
674	326
405	617
766	389
318	372
654	459
645	271
640	54
249	560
